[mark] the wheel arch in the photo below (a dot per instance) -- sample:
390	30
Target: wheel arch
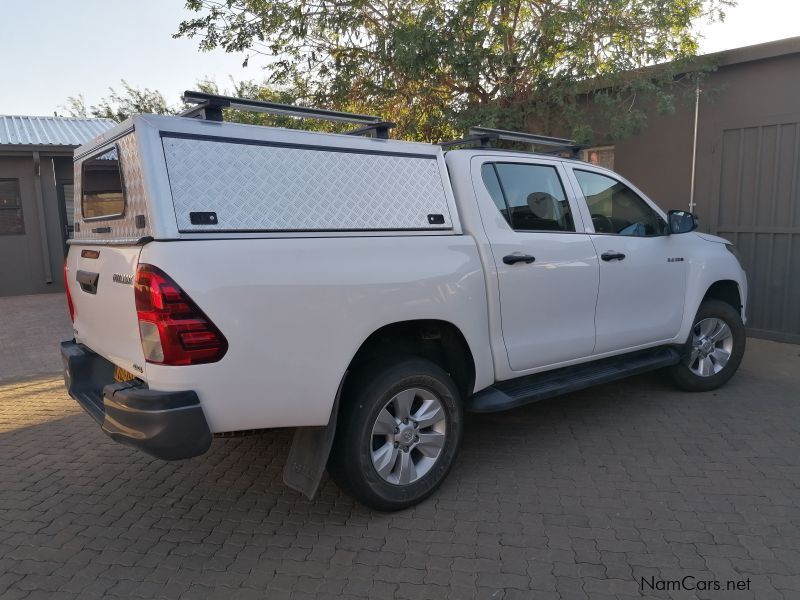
726	287
439	341
436	340
726	290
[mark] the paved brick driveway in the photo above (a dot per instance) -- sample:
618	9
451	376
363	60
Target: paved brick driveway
571	498
30	329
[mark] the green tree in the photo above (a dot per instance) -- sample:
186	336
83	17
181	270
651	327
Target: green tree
437	66
119	105
261	91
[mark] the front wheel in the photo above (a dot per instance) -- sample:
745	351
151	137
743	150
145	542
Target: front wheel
399	431
714	349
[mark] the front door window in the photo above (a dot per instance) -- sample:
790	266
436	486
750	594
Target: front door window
617	209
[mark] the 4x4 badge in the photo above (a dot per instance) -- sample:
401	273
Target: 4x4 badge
124	279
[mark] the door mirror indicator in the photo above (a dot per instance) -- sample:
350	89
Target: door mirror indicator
681	221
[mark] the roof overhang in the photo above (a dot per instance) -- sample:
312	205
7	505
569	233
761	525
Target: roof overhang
757	52
48	150
715	61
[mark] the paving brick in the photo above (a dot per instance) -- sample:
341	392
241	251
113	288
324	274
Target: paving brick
503	581
578	497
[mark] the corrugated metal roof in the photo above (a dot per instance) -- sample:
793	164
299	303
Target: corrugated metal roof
50	131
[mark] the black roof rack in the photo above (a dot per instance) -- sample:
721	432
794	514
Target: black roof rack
484	136
209	107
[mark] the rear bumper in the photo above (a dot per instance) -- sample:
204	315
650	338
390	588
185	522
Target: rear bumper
167	425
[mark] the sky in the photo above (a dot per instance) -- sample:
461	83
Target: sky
53	49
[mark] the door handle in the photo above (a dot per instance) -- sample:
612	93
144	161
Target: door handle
87	281
517	258
611	255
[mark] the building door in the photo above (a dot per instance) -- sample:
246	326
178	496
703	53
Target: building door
757	207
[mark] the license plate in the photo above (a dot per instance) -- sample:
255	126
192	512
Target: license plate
121	374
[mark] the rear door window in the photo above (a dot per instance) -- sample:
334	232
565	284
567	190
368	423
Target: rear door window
102	195
530	197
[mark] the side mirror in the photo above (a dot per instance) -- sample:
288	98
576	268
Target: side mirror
681	221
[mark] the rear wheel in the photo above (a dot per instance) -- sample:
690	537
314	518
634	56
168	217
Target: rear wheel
714	349
399	431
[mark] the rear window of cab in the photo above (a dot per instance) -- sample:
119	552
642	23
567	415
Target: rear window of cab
102	190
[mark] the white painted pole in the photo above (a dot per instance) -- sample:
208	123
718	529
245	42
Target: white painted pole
694	144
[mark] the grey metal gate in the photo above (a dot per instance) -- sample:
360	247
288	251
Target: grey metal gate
758	208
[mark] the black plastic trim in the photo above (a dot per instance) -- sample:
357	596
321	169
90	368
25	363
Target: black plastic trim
379	130
203	218
84	375
136	397
522	137
512	259
167	425
513	393
87	280
216	102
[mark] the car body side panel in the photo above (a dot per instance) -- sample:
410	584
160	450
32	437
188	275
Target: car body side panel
459	168
295	311
709	262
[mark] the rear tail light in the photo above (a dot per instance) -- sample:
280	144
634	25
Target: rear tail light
174	331
69	295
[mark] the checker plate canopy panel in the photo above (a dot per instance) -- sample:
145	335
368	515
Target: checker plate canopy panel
137	201
273	187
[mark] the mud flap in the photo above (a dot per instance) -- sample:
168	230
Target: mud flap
308	455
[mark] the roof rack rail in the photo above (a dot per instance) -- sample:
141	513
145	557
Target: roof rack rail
484	136
209	107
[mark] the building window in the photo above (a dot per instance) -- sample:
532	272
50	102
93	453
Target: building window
11	222
602	156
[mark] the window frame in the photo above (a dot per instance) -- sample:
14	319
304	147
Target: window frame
584	205
18	207
94	155
561	180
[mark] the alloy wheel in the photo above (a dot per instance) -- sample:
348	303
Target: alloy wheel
712	344
408	436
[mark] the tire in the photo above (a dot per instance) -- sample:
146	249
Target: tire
704	368
371	434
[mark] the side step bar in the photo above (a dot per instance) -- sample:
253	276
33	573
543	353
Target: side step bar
505	395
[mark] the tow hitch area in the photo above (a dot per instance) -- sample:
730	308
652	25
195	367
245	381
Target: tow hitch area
167	425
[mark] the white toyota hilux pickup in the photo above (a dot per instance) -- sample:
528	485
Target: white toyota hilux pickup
367	291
